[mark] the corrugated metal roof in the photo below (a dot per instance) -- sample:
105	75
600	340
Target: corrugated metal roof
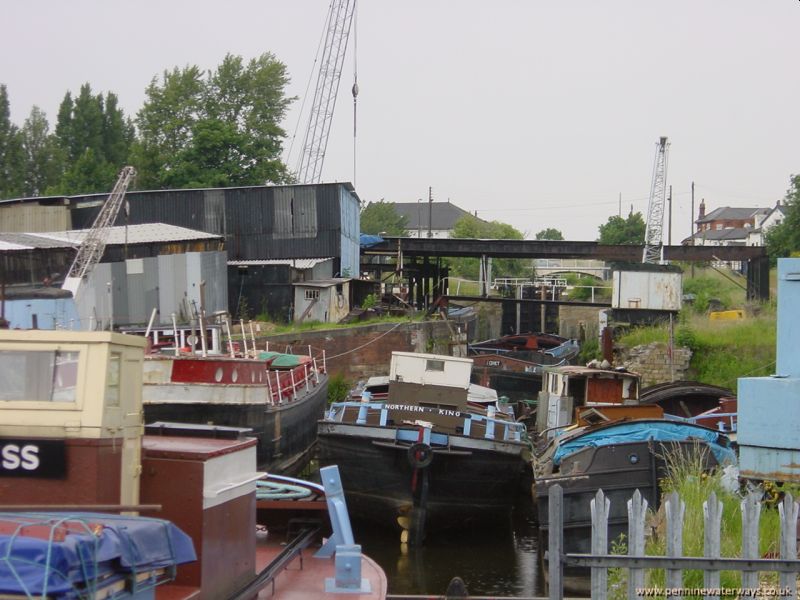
136	234
323	283
29	241
297	263
11	246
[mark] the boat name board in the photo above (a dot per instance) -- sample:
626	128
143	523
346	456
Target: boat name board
32	458
446	412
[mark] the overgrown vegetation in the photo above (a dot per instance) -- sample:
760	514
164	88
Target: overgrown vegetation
586	288
723	351
694	485
338	388
714	291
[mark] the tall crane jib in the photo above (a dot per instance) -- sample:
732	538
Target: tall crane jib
653	237
315	142
94	244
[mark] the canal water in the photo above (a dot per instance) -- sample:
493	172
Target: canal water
501	560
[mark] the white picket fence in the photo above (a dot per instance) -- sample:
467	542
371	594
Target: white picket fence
750	563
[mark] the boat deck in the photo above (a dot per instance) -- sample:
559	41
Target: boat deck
304	577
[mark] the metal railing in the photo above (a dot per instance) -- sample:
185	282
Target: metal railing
750	563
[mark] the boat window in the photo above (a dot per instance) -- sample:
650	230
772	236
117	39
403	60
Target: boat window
38	375
112	379
434	365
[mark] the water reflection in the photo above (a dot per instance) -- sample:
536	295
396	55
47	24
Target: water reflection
500	560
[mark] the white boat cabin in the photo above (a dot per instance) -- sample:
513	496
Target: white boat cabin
430	369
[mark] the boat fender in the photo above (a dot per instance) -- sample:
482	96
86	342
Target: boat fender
420	455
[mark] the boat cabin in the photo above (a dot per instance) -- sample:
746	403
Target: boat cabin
435	389
71	439
571	394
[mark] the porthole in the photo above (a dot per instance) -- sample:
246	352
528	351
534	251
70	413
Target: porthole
235	376
218	375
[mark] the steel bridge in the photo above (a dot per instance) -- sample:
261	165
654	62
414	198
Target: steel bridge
420	259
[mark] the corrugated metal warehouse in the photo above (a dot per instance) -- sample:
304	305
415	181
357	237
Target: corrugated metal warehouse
258	223
261	223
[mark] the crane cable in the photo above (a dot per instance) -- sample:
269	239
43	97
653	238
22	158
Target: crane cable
305	94
355	82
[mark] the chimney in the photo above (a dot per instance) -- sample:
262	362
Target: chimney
702	212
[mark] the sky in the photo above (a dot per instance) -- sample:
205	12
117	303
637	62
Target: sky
538	114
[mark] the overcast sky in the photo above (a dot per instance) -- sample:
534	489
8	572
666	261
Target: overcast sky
539	114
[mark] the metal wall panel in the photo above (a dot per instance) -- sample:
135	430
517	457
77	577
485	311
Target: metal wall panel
646	290
350	219
50	313
119	294
260	290
31	217
172	288
263	222
136	290
151	286
214	211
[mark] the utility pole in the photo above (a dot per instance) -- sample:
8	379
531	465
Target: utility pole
691	219
691	225
430	212
669	219
620	205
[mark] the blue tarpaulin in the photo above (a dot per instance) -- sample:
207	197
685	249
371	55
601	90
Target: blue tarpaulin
78	549
366	240
640	431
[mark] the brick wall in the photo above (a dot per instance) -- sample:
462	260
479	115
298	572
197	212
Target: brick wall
361	352
653	363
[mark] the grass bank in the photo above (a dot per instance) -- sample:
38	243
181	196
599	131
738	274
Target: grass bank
722	351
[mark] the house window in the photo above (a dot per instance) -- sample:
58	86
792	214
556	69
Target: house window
312	294
434	365
718	226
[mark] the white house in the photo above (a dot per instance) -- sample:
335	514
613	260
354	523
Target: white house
757	236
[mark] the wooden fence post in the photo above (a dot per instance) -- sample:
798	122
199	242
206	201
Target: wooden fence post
600	506
637	511
712	511
788	510
675	508
555	541
751	513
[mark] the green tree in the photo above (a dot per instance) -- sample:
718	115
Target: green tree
95	140
222	128
11	154
87	175
550	234
784	239
382	217
470	227
623	231
42	155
